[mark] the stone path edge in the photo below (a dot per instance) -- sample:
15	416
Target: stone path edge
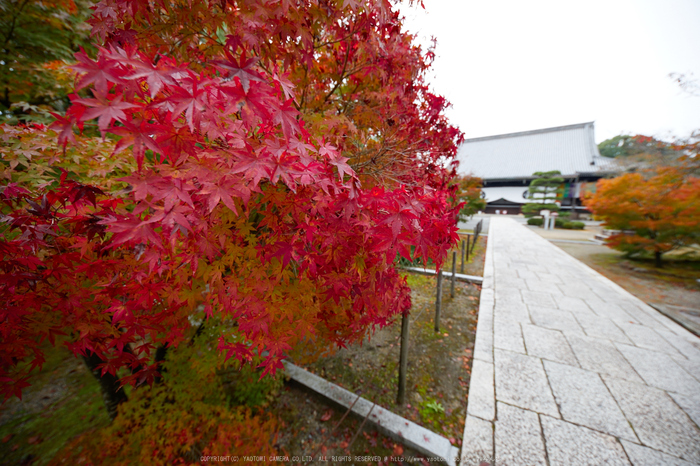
678	318
402	430
629	295
478	436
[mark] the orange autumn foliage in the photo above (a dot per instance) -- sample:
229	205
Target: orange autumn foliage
656	213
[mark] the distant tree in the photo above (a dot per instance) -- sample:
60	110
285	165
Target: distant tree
645	153
544	192
661	208
37	38
469	191
619	146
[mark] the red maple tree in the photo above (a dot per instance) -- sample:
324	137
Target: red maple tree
262	162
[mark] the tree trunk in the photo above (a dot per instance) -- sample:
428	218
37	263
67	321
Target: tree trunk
454	267
112	394
161	352
657	259
403	361
438	301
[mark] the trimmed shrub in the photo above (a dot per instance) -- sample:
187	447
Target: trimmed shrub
558	223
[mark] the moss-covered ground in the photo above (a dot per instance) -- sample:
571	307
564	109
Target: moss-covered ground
63	401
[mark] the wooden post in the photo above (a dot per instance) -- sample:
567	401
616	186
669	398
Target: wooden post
454	267
403	361
461	270
438	301
468	236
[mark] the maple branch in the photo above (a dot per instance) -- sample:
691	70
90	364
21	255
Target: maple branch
13	24
302	100
342	74
342	39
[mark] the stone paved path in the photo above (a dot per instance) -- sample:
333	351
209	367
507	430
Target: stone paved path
570	369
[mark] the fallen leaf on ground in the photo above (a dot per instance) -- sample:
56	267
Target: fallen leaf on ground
327	415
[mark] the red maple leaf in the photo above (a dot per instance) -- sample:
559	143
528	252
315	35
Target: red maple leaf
105	110
132	231
243	69
64	126
341	164
327	415
285	251
106	9
141	187
286	117
286	85
99	73
139	136
156	76
190	100
403	218
254	166
217	192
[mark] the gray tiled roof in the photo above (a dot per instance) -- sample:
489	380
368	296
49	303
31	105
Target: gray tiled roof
570	149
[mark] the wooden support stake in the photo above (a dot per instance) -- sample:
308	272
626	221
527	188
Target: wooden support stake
468	236
438	301
454	267
461	270
403	361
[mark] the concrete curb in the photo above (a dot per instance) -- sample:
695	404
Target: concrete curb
446	274
593	242
409	433
478	436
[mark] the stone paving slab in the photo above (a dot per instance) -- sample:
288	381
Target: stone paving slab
583	399
602	356
659	370
569	444
555	319
689	347
518	437
548	344
645	337
513	312
656	419
482	401
689	404
479	447
508	336
522	382
571	369
602	328
643	456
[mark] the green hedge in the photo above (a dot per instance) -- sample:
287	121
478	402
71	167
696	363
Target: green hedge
574	225
558	223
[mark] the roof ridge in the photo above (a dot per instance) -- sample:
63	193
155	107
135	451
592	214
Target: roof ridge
534	131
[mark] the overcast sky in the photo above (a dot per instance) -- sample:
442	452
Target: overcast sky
510	66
